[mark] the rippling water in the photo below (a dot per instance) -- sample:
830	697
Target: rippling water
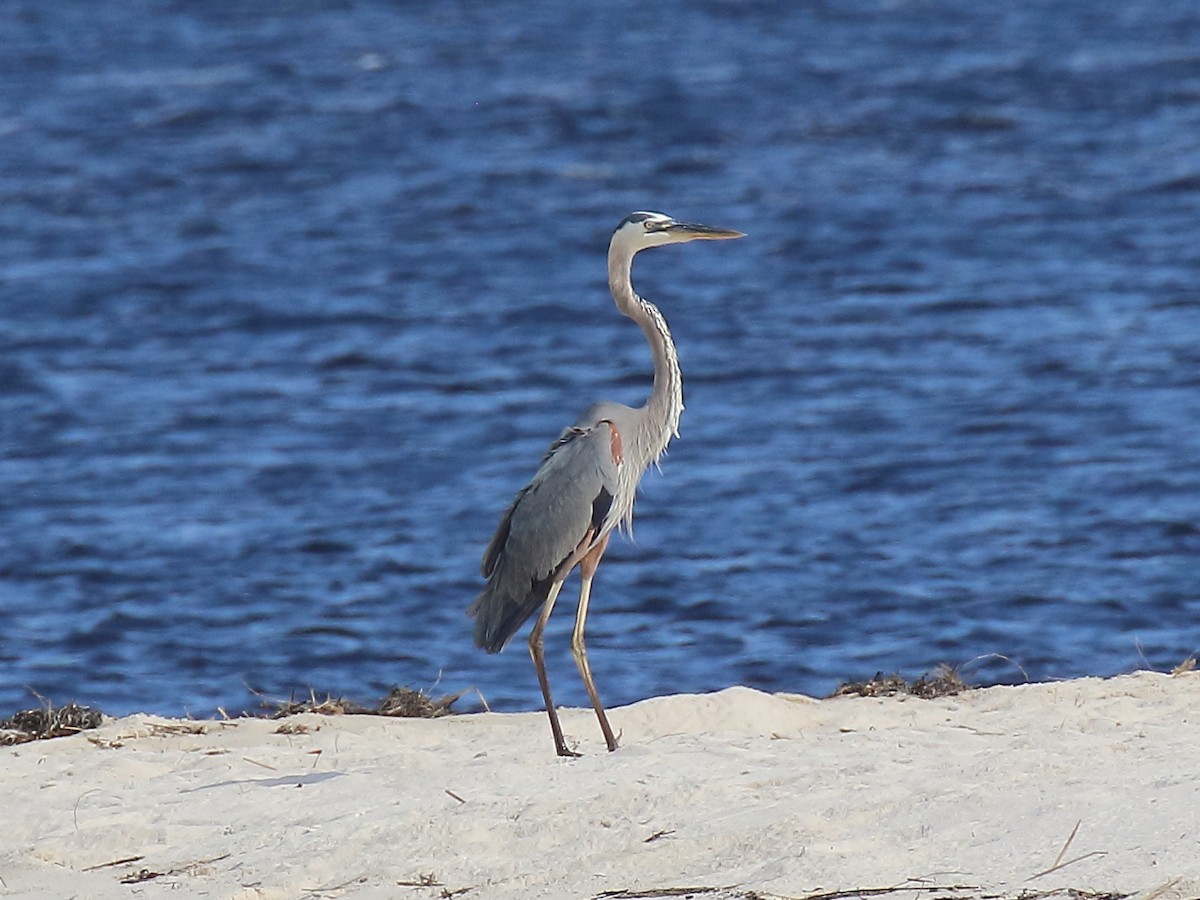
292	297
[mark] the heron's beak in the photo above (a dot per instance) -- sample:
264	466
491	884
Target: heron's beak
683	231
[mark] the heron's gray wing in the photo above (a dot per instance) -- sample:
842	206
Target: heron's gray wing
496	544
570	493
492	554
580	438
568	499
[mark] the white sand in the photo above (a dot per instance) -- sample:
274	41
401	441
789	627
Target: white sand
740	791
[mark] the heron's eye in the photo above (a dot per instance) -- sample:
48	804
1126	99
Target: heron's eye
653	225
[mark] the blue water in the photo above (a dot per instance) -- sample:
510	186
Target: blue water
292	297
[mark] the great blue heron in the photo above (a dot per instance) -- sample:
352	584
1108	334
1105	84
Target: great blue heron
586	484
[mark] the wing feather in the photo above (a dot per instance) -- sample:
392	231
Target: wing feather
569	496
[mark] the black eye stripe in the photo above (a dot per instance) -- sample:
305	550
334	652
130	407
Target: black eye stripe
651	222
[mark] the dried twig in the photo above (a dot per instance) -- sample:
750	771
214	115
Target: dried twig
116	862
1070	837
652	893
144	874
1058	863
429	879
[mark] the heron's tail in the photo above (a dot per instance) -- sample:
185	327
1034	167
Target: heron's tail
504	606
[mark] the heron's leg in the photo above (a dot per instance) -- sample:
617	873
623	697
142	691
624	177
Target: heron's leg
539	663
587	568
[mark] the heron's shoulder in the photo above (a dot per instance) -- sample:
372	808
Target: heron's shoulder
620	415
593	441
575	438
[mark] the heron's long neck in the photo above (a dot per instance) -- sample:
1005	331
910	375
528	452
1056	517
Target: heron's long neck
662	410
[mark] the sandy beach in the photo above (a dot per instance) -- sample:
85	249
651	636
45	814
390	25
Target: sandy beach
1091	786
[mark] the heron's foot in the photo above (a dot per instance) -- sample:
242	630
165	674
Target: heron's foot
564	750
611	741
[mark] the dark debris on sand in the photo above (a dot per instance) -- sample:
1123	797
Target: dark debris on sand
945	682
401	702
48	722
907	889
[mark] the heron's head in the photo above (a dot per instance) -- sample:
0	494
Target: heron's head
640	230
